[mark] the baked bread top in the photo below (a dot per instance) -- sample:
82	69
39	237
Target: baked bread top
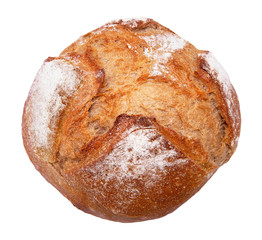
130	120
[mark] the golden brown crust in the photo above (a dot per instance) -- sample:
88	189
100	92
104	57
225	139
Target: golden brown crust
134	121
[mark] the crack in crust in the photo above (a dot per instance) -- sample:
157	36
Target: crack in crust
132	89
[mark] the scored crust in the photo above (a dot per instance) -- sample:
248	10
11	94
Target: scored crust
130	121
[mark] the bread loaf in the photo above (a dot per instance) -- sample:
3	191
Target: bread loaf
130	120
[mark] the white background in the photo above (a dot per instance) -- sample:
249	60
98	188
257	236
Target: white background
229	205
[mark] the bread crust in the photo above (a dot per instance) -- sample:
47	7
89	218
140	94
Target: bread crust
135	121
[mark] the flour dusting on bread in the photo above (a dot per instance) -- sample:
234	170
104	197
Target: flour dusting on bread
160	48
142	151
55	81
216	70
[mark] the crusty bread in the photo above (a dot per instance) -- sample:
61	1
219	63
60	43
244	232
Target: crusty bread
130	120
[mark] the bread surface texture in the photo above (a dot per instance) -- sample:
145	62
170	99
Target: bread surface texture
130	120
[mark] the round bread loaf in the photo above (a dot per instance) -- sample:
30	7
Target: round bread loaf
130	120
